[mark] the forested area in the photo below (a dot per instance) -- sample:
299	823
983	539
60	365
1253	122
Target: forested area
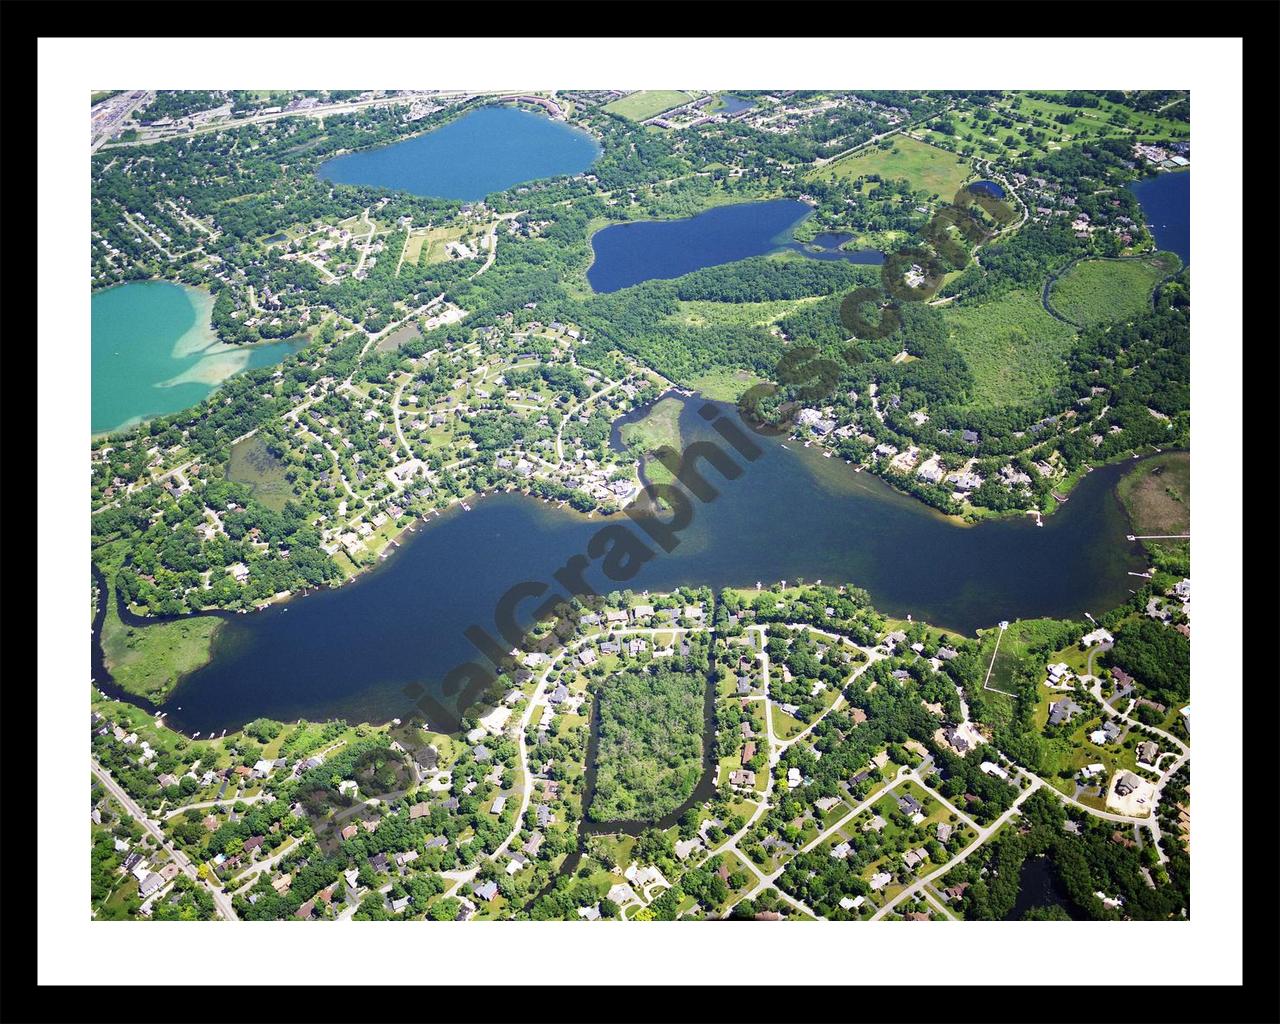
651	742
1084	864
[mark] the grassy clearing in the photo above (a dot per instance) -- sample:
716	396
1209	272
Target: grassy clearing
1013	348
1102	291
428	247
398	337
252	464
639	106
661	426
724	385
1157	494
149	661
928	168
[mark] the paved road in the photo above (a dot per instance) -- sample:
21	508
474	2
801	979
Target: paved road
983	835
173	812
220	899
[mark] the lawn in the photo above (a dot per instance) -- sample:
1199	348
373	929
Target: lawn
642	105
929	169
1014	349
1157	494
1102	291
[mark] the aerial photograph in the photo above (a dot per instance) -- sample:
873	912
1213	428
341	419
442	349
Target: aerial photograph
614	505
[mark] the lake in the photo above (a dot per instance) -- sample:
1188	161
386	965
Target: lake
1039	886
154	352
626	254
1166	203
991	188
486	150
791	514
730	104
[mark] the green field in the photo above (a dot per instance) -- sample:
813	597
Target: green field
928	168
1013	348
660	427
640	106
1037	118
252	464
1157	494
149	661
723	384
1102	290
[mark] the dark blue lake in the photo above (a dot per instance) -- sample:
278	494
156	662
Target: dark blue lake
487	150
733	104
626	254
991	188
1166	202
792	514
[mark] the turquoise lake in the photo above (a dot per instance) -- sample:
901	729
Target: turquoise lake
487	150
154	352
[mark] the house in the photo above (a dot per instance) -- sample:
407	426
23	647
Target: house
1148	752
794	778
958	742
825	803
954	892
379	862
879	880
991	768
641	611
841	851
1127	783
913	857
408	857
150	884
486	890
876	824
399	904
847	903
743	779
587	656
304	912
1098	636
1062	711
498	804
420	810
1109	733
533	844
686	847
909	805
350	832
282	884
516	863
591	913
544	815
944	831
